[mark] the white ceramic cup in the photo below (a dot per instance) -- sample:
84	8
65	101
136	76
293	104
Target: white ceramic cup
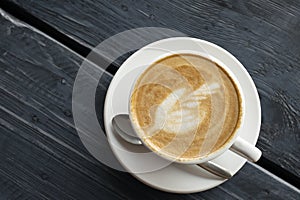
235	143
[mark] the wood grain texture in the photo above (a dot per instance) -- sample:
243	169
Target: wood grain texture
41	154
263	35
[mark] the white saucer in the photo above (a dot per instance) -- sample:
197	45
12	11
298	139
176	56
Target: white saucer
175	177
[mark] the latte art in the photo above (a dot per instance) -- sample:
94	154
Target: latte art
178	113
185	107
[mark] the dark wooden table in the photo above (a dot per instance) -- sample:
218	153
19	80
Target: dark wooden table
43	44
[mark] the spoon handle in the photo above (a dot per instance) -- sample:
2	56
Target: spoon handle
216	169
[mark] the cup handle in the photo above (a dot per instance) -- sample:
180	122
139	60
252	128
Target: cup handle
246	150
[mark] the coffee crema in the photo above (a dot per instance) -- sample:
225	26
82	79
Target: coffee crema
185	107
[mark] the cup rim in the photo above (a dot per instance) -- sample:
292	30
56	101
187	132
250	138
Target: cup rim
232	139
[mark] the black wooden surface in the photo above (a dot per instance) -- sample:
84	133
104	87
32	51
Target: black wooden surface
263	35
41	154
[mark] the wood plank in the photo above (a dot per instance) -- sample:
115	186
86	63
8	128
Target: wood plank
42	156
263	35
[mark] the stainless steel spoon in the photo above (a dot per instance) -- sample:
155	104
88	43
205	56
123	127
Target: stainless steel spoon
122	125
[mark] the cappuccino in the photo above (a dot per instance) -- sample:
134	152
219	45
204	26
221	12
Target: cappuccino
185	107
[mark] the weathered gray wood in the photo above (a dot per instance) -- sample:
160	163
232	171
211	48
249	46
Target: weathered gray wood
263	35
41	154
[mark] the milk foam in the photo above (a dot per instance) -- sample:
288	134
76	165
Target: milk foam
184	118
